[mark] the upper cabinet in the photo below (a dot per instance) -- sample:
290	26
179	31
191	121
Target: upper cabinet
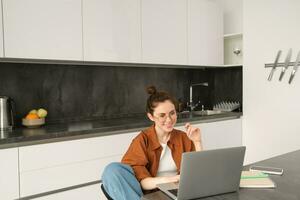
43	29
164	31
133	31
205	32
112	30
233	31
233	16
1	31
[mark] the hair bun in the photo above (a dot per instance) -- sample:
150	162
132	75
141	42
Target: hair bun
151	90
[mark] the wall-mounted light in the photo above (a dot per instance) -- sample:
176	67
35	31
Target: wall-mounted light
237	51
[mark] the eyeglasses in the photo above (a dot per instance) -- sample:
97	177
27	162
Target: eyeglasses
163	116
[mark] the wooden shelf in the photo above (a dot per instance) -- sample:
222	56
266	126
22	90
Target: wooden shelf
233	35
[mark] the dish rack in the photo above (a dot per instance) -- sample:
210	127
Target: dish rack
227	106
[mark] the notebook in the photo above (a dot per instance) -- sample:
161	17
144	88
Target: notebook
207	173
255	179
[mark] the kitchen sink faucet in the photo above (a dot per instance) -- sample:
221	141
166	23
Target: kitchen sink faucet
191	105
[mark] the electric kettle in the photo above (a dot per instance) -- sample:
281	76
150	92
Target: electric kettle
6	113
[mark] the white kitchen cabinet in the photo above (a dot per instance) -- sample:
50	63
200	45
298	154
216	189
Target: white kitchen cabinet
9	174
1	31
233	16
92	192
43	29
164	31
220	134
112	30
52	166
205	32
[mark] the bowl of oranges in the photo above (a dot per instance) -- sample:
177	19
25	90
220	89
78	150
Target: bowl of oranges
35	118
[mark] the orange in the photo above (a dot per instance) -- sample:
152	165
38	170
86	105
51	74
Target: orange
32	116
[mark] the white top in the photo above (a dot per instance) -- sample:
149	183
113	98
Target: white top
167	166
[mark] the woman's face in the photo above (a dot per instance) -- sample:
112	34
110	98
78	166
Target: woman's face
164	116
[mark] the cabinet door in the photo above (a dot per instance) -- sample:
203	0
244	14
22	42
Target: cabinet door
220	134
112	30
43	29
9	174
205	32
164	31
1	31
92	192
52	166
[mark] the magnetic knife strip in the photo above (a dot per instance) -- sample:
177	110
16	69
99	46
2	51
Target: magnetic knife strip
284	66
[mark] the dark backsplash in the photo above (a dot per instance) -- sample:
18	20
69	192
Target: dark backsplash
227	84
87	92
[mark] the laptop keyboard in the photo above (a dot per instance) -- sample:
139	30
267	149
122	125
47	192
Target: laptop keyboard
174	191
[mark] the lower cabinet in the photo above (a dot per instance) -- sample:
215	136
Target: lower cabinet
43	168
9	174
53	166
220	134
92	192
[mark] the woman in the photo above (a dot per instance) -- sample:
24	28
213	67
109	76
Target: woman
154	155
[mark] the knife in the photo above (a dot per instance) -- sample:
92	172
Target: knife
286	64
295	68
274	66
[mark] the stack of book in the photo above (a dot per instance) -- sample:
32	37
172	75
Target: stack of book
256	179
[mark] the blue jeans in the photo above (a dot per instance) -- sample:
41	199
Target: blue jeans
120	182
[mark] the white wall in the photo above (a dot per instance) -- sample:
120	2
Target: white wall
271	117
233	16
1	32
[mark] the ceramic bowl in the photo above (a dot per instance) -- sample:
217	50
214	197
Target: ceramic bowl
33	123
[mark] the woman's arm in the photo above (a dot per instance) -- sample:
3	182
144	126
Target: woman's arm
198	145
150	183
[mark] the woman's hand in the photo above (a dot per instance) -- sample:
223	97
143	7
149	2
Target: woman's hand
193	133
151	183
171	179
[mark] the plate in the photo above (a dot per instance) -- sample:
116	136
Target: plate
33	123
207	112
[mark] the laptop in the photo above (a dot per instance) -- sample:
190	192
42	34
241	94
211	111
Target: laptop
207	173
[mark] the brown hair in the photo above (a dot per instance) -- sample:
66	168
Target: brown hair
157	97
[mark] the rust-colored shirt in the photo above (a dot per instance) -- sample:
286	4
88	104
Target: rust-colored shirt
143	155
